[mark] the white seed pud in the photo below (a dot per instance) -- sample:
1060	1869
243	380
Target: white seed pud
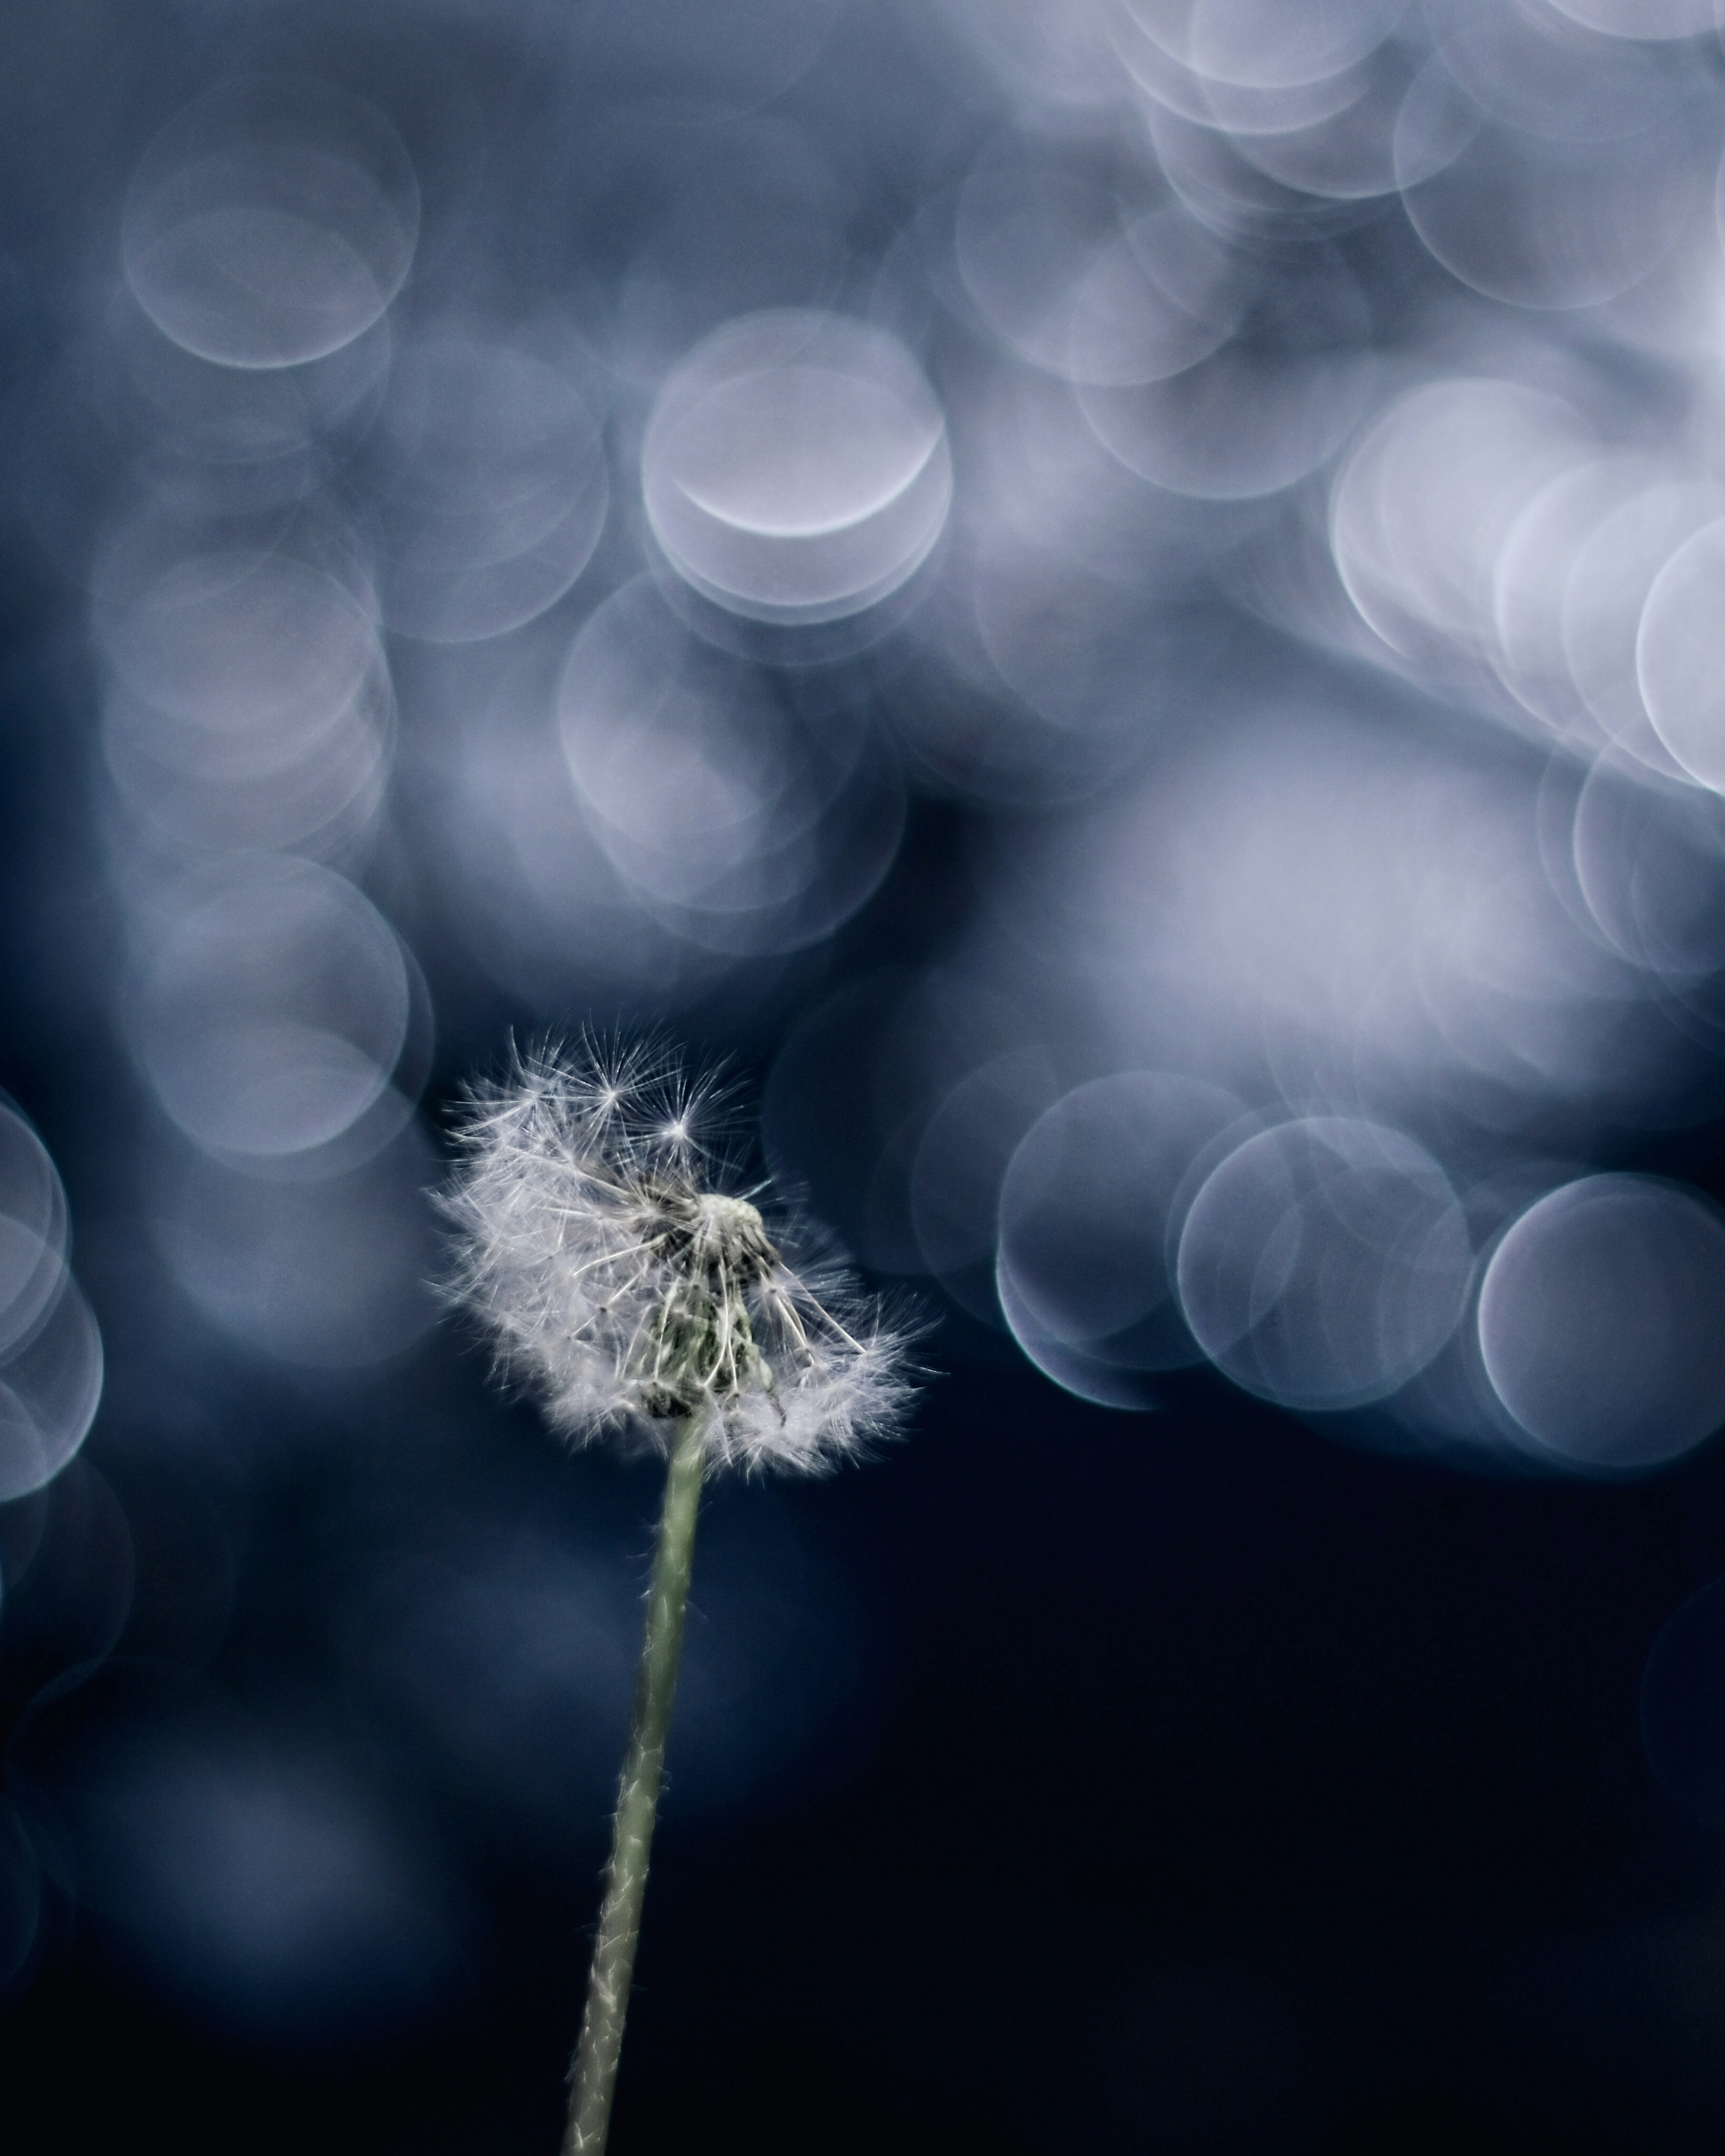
628	1290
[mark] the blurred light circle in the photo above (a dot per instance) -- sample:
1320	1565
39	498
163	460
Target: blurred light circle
225	795
1683	1704
961	1159
254	705
1531	581
1021	229
1264	44
1599	1321
242	416
492	470
1349	155
1680	655
1088	1214
258	653
49	1391
542	909
1324	1263
1649	21
1087	1377
1156	43
329	1275
1421	510
1526	67
1206	164
1040	248
1039	485
1151	303
273	1010
860	1082
1368	910
1044	57
1268	404
1529	206
271	222
1650	862
32	1230
796	468
1605	595
751	824
192	536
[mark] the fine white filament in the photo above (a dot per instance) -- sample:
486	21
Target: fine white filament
628	1289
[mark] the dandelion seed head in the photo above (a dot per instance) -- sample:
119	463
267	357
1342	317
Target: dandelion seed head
627	1283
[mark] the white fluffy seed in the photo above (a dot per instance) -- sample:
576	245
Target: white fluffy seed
625	1288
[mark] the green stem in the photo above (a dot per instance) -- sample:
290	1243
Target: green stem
594	2070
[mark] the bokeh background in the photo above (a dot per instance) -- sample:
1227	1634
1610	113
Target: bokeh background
1121	603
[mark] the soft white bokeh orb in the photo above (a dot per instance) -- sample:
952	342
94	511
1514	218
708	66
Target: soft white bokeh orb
32	1231
1324	1263
274	1009
330	1274
744	824
270	222
495	489
796	468
49	1391
1680	655
1090	1205
1601	1320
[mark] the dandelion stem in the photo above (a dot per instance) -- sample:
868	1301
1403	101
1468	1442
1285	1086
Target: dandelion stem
594	2070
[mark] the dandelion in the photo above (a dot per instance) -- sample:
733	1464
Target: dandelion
639	1297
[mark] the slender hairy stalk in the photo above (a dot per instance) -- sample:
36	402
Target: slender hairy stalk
639	1296
594	2070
